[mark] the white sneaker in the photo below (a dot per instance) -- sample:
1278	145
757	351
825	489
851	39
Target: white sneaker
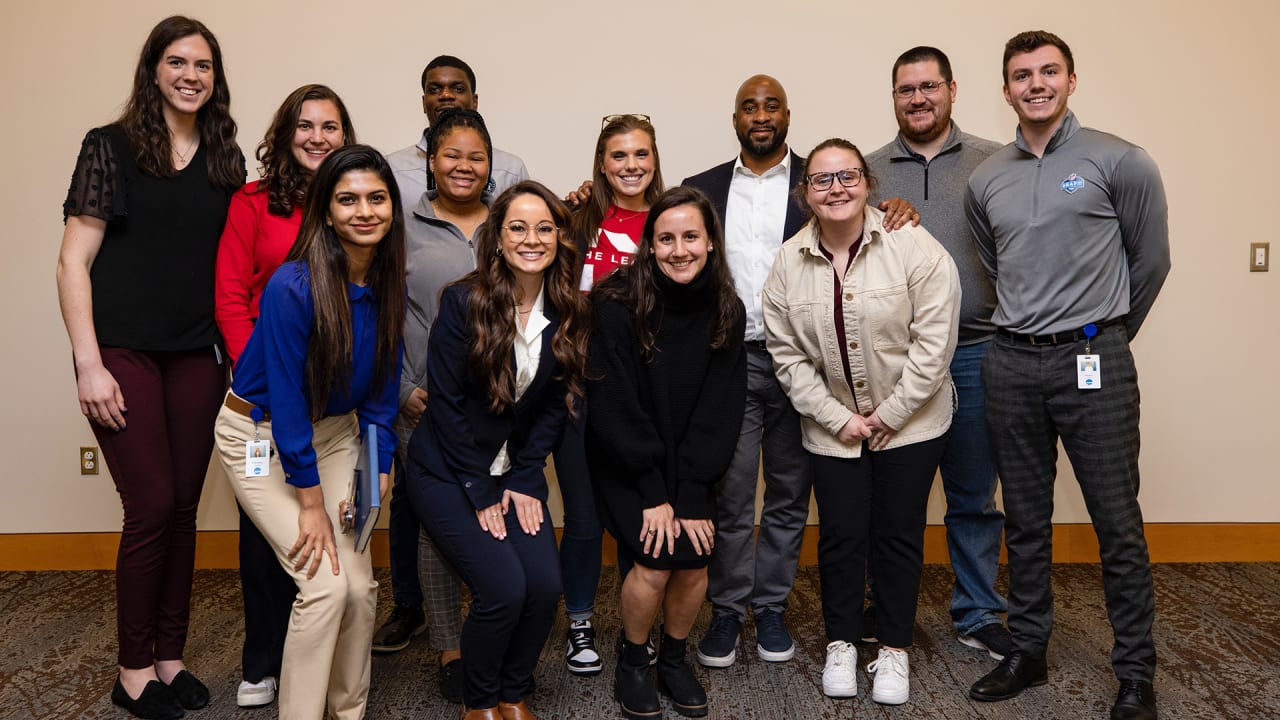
891	686
256	694
839	677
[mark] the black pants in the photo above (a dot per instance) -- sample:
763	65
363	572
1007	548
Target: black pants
872	512
1032	401
515	587
269	593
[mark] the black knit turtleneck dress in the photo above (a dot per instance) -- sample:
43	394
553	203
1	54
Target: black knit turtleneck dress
662	429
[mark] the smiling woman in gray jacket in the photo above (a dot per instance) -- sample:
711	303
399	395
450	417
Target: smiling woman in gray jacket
861	324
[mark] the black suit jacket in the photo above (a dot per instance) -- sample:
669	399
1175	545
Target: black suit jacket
715	183
459	435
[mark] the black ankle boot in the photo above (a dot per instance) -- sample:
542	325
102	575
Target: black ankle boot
676	679
633	685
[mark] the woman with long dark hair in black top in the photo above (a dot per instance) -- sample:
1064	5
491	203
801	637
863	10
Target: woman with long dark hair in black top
135	281
667	392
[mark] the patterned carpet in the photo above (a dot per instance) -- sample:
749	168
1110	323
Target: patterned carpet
1217	635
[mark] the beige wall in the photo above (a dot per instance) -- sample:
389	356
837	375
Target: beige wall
1192	82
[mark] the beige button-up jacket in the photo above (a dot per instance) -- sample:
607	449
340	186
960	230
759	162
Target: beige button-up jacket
901	305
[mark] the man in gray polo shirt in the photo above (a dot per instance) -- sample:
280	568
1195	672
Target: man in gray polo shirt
1072	226
929	163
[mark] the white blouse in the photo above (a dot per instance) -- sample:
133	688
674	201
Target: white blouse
528	349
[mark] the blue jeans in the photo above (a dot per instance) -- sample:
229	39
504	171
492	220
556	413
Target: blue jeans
580	544
974	525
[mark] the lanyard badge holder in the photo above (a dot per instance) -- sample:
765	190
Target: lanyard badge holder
257	452
1088	365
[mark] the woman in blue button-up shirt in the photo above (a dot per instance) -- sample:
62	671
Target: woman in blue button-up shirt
321	368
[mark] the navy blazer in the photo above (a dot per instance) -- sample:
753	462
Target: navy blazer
459	436
715	184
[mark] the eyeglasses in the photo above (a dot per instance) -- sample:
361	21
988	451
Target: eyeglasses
520	230
604	122
930	88
849	178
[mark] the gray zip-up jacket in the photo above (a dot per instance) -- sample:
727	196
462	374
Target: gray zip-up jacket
937	188
1078	236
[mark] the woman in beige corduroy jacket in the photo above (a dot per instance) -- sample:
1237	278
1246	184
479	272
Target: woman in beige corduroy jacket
861	323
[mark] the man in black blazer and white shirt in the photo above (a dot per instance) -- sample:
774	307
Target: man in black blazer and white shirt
752	194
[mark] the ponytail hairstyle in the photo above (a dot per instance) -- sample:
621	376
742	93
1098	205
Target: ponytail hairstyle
329	353
451	119
493	298
586	221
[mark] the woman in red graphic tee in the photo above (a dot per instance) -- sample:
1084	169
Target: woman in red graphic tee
626	181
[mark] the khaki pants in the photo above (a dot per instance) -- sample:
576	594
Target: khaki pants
326	653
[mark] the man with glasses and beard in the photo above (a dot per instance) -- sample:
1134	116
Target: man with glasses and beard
929	163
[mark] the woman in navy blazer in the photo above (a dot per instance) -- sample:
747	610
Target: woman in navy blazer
505	364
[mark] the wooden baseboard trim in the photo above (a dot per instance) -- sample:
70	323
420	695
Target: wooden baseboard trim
1074	543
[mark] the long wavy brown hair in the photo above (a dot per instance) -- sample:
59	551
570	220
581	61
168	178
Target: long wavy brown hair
492	298
586	221
330	350
283	178
143	117
635	285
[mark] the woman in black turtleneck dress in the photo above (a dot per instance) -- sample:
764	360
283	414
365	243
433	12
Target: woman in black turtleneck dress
667	391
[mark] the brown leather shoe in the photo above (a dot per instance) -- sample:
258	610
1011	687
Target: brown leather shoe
516	711
482	714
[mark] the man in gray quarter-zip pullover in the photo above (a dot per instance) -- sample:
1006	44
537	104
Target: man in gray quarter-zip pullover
1072	226
929	163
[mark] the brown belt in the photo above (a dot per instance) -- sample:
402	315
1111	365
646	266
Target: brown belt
239	405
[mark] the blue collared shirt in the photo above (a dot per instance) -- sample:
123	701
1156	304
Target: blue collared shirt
271	372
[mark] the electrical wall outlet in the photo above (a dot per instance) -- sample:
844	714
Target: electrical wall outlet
1259	257
89	460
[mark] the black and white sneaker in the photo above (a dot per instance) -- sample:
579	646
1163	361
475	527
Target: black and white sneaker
581	656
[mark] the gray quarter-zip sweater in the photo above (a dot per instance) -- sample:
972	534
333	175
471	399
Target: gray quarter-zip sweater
937	188
1078	236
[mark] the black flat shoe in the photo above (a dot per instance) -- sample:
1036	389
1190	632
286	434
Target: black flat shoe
1135	701
1014	674
155	703
191	693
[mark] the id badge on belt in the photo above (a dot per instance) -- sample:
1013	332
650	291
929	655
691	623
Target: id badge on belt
257	452
1088	365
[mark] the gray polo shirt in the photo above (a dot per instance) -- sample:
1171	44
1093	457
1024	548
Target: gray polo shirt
1078	236
937	188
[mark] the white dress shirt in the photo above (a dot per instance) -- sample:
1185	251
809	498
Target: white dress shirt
754	219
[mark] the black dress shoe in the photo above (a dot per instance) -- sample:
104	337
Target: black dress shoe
1136	701
191	693
156	702
1015	673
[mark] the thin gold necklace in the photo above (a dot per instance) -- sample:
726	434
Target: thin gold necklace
183	156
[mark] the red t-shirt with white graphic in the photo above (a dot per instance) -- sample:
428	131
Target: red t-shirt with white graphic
616	244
